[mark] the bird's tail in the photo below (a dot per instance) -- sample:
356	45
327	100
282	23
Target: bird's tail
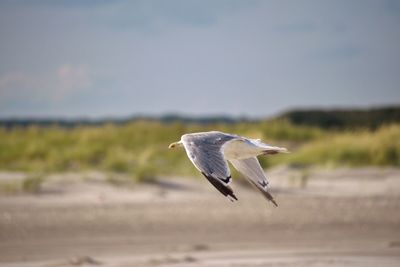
271	150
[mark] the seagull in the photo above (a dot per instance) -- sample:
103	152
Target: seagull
210	152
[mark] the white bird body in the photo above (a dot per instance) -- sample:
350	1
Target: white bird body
248	148
238	149
210	151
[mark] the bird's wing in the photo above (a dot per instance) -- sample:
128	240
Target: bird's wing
206	155
251	169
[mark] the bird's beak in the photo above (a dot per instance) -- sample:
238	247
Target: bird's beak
172	145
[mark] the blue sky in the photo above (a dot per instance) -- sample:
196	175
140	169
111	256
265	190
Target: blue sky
253	58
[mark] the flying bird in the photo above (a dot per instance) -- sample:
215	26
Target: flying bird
211	151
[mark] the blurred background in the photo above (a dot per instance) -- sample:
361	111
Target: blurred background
92	93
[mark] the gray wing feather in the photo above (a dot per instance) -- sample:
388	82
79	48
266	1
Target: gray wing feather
251	168
253	172
204	150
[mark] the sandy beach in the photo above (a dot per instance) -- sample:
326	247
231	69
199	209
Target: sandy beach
342	217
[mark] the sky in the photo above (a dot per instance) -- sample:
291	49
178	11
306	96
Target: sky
97	59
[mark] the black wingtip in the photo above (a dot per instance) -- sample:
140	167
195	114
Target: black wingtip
232	196
261	186
273	201
270	198
222	188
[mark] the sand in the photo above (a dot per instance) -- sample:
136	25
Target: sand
343	217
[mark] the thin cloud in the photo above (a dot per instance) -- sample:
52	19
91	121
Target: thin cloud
11	79
72	79
53	86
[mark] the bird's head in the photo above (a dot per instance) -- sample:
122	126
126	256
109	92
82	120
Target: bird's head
175	144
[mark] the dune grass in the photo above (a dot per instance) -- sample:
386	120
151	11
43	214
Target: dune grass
360	148
141	148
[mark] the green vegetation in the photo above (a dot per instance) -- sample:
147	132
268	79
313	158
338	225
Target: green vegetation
360	148
30	184
344	118
140	148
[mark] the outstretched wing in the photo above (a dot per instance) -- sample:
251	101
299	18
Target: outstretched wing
206	155
253	172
